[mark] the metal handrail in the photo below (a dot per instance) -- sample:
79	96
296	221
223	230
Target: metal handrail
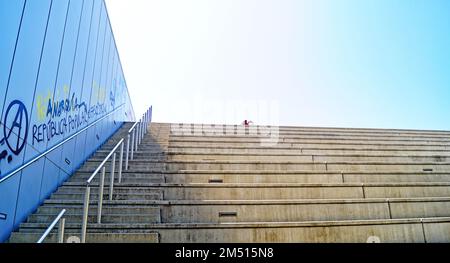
137	131
62	222
101	167
104	162
135	136
35	159
132	127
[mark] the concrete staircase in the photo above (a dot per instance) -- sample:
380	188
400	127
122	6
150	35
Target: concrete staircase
314	185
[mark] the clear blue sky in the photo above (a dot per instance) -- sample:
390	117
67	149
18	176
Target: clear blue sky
347	63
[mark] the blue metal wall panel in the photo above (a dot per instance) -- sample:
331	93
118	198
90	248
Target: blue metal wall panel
59	72
50	181
81	139
63	89
10	18
8	194
46	82
27	61
18	99
98	92
38	136
76	87
29	192
109	127
91	136
103	98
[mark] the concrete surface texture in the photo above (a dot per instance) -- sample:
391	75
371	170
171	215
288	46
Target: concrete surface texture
194	183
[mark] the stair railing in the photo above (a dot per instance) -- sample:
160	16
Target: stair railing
134	138
112	154
62	221
136	135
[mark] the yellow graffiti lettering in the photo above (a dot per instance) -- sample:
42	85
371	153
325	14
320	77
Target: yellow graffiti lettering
66	89
41	105
101	94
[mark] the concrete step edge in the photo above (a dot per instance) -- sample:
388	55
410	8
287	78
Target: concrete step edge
158	203
261	185
252	225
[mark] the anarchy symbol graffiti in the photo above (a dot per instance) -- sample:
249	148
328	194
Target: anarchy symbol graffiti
16	122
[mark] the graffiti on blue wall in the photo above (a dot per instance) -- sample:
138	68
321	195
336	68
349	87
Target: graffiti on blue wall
64	117
15	131
54	119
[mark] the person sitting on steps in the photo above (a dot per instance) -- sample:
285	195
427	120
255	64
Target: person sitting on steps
247	123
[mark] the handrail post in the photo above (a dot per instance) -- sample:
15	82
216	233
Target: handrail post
132	145
62	224
143	126
100	196
139	131
144	118
85	213
128	152
142	129
120	163
146	126
136	139
145	122
148	121
111	182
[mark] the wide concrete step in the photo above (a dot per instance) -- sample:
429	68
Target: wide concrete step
406	231
302	210
122	189
126	178
174	128
306	166
290	151
92	218
204	211
95	162
287	191
310	144
315	149
301	158
148	138
309	138
138	237
196	176
255	133
344	166
150	154
79	195
271	211
151	147
147	166
126	181
107	209
354	231
329	191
